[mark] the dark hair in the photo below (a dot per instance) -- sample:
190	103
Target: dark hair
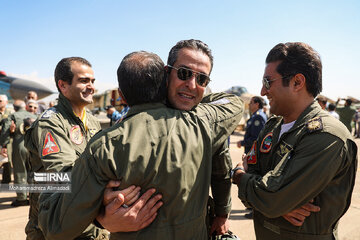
141	77
192	44
348	102
63	69
322	100
259	100
331	107
297	57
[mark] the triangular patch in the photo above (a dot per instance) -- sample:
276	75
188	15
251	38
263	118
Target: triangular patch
50	145
251	155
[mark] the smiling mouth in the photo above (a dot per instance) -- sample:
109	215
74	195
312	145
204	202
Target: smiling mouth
184	95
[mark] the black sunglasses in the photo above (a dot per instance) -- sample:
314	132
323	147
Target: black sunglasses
266	82
185	74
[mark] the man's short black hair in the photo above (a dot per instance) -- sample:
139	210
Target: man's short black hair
331	107
191	44
298	57
141	77
259	100
63	69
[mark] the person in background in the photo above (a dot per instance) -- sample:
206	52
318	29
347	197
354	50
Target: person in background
5	160
346	113
332	111
253	127
13	128
322	102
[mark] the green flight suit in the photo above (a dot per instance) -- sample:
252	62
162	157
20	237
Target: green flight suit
346	115
55	140
153	147
316	159
19	152
6	176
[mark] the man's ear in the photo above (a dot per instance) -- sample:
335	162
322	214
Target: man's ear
123	100
299	81
62	85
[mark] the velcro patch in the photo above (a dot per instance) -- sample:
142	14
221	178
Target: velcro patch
48	113
76	135
220	101
266	143
50	145
251	155
314	124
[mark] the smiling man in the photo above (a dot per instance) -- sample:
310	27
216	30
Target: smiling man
60	135
302	154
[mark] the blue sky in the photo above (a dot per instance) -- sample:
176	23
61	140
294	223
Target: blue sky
36	34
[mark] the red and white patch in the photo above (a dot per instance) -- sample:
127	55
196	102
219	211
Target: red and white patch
50	145
251	155
76	135
266	143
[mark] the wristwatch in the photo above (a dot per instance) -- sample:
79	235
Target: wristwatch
234	170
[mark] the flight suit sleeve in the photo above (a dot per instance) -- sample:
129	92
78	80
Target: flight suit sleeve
220	180
50	140
5	131
66	215
223	111
297	178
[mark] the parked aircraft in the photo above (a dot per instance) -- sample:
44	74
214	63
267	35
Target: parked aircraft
17	88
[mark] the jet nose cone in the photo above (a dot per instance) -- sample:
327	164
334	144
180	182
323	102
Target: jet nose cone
20	87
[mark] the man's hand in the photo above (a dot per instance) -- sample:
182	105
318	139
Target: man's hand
220	225
297	217
4	151
244	162
136	217
131	194
12	126
239	144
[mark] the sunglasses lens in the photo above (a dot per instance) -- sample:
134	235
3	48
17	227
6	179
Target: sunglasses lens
202	80
184	74
266	83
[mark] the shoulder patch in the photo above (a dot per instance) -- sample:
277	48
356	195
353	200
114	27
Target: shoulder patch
50	145
266	143
48	113
314	124
220	101
251	155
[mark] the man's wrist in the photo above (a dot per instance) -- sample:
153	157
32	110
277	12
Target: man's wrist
236	173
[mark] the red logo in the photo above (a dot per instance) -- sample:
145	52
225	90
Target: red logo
50	145
251	156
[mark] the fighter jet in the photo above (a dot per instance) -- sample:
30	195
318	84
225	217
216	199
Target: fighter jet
17	88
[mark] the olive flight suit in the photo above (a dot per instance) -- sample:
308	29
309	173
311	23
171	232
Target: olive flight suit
316	159
153	147
346	115
54	142
6	176
18	150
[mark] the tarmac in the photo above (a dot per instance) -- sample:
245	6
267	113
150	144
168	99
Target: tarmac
13	220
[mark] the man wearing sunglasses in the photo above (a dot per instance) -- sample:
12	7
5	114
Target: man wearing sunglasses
153	147
188	69
302	155
188	73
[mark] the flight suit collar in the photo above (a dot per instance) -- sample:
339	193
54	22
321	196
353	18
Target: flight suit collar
143	107
312	110
65	106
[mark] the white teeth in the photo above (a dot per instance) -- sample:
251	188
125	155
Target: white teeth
186	96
